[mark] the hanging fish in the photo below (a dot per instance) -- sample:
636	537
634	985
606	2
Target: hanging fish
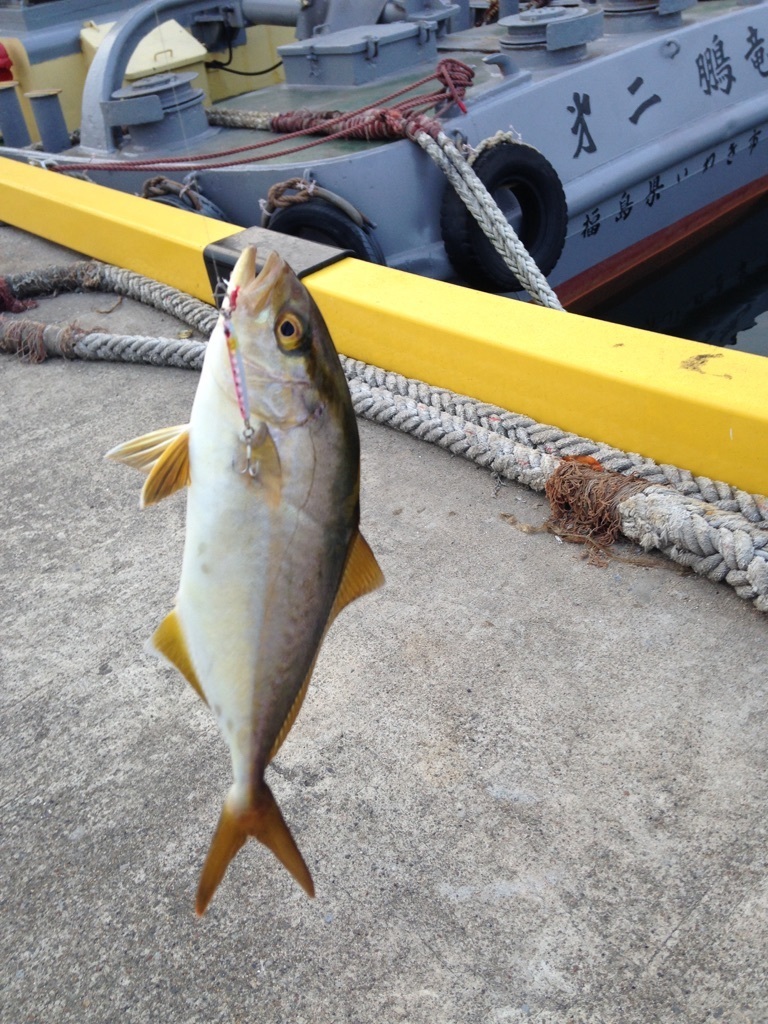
272	550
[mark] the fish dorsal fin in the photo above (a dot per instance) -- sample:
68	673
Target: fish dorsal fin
361	575
169	641
169	473
143	452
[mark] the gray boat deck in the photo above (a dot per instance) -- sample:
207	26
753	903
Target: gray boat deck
529	789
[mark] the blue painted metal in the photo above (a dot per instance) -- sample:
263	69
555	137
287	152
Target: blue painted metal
51	28
12	124
49	119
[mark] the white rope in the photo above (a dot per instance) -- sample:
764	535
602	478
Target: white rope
481	204
723	546
719	545
554	441
724	538
91	275
228	117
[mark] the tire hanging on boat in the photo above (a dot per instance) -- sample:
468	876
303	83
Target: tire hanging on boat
319	221
529	193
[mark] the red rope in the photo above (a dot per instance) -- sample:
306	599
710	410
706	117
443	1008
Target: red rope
372	122
8	301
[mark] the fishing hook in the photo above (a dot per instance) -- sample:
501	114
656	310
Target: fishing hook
248	437
253	438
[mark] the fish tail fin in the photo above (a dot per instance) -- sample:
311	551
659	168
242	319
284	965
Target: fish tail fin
264	821
228	839
268	825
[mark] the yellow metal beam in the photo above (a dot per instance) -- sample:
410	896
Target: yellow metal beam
679	402
697	407
150	238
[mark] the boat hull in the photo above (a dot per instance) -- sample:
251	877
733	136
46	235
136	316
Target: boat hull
657	131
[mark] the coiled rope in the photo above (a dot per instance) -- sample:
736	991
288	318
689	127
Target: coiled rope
371	122
718	531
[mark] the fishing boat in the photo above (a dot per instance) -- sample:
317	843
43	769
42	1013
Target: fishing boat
611	137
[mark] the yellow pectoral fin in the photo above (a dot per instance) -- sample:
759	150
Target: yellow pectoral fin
143	452
361	575
168	639
169	473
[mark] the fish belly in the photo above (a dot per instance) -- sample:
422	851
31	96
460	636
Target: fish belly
256	589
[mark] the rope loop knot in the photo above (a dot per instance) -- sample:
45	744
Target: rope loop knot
456	77
278	198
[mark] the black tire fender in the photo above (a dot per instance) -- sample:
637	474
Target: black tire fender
529	192
320	221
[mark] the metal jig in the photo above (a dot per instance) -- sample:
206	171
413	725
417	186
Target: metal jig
251	437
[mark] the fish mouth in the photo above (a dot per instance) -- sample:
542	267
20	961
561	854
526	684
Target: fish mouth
250	288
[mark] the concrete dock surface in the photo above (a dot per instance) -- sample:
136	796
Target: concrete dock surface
530	790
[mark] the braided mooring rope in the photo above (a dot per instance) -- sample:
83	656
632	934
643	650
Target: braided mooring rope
718	531
547	439
486	212
725	541
91	275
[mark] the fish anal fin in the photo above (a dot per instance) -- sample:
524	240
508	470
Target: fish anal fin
290	718
143	452
169	641
361	575
169	473
264	821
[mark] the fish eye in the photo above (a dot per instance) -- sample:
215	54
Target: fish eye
289	332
